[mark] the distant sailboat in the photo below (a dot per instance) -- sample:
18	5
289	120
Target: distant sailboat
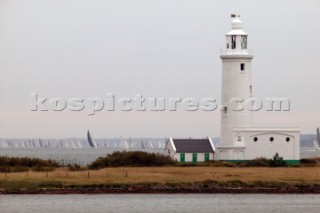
79	144
124	143
316	142
316	145
150	145
143	146
92	143
160	145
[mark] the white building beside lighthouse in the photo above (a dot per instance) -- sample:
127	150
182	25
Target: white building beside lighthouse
239	139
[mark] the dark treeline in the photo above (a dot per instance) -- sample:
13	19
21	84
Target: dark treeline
20	164
133	158
137	158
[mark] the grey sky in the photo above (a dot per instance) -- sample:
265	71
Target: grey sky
167	48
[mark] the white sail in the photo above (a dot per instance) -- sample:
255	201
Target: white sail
316	145
79	144
316	141
150	145
124	143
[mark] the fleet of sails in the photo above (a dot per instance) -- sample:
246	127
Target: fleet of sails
84	143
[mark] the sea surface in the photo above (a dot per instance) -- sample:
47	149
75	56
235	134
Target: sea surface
156	203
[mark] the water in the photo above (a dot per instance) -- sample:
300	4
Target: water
156	203
309	152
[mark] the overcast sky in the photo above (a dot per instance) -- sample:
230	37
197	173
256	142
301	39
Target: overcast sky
164	48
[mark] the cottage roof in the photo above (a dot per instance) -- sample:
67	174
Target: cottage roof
193	145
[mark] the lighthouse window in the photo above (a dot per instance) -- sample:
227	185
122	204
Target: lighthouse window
243	42
242	67
233	42
287	139
271	139
255	139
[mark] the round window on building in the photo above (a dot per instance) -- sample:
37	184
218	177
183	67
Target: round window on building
288	139
271	139
255	139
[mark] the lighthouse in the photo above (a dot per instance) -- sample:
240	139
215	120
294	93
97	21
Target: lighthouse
236	84
239	139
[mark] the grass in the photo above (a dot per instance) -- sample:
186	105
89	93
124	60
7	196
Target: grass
160	175
176	175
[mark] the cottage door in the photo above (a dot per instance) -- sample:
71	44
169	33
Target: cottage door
194	158
206	157
182	157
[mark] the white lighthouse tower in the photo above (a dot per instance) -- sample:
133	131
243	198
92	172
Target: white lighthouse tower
236	88
239	139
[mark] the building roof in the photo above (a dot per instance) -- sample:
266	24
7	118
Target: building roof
236	26
193	145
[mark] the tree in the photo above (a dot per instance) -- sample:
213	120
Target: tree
277	161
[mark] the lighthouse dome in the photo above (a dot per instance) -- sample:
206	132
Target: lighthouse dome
236	26
236	23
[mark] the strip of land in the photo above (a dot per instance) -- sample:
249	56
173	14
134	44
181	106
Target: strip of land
165	180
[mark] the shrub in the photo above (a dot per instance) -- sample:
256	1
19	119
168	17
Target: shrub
75	167
277	161
43	169
187	164
133	158
258	162
308	161
21	164
8	169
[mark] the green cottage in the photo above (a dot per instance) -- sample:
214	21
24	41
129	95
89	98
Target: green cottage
190	150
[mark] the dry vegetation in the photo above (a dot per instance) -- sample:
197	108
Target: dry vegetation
255	172
145	175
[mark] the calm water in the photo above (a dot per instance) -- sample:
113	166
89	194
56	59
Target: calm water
198	203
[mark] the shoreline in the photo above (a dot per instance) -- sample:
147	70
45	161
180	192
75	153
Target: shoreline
167	189
165	180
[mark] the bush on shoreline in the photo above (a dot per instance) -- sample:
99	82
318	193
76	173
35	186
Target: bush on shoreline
138	158
23	164
258	162
277	161
132	158
76	167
